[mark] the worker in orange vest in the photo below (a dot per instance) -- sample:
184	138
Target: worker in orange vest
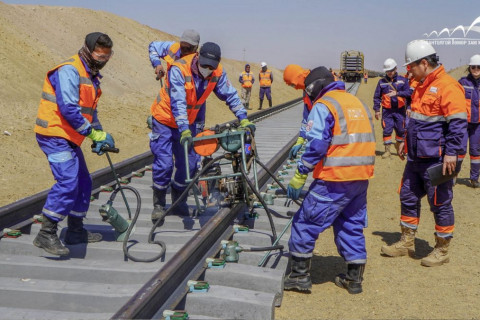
437	126
340	151
246	79
66	115
365	77
265	78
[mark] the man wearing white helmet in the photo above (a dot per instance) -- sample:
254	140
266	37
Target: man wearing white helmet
437	125
265	78
471	84
390	94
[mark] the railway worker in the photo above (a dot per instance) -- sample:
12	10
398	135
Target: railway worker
266	79
170	51
365	77
471	84
437	125
66	115
190	81
341	153
294	76
390	95
246	79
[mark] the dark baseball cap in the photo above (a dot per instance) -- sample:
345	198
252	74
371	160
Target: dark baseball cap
210	54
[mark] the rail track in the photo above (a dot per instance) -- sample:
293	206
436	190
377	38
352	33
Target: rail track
98	282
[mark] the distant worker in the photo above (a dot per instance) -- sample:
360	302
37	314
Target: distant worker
171	51
66	115
294	76
437	125
334	74
265	78
471	84
190	81
341	153
390	95
365	77
247	80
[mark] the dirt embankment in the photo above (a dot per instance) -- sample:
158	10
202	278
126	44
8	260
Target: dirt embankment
36	38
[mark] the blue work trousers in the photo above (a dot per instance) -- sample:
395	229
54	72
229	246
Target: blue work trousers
342	205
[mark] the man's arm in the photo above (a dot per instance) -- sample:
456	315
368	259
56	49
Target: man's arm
178	98
158	50
377	98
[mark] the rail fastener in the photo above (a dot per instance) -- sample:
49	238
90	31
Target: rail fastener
198	286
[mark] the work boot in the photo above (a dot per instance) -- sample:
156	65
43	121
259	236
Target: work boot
352	281
474	183
77	234
387	152
439	255
405	246
270	103
182	207
159	202
47	238
261	102
299	277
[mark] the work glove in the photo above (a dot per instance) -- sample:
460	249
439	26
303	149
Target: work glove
295	185
245	123
149	122
186	137
101	139
296	147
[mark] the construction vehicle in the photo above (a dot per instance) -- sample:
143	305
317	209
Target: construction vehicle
351	65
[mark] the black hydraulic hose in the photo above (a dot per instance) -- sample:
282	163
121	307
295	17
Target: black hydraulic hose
276	180
269	215
277	247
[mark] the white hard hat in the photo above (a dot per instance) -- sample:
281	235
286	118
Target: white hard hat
475	60
263	64
418	49
389	65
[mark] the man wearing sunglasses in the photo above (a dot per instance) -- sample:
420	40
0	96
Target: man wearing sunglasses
471	84
340	151
437	126
390	95
66	115
190	81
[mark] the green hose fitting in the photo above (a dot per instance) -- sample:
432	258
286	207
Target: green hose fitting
175	315
231	250
110	215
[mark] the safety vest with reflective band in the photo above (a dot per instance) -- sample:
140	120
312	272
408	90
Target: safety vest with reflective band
265	78
247	79
351	154
50	121
472	96
161	108
171	56
388	86
435	102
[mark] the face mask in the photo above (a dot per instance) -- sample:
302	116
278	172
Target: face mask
205	72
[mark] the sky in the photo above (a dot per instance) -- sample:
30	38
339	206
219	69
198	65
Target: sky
305	32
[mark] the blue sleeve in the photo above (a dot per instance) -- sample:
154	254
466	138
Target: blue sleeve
303	131
404	91
226	92
178	98
157	50
377	97
253	79
319	135
95	122
66	83
240	78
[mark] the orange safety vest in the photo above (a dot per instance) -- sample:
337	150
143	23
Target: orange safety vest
50	121
265	78
351	154
365	75
161	109
247	79
387	102
172	53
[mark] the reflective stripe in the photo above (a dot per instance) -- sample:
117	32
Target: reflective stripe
422	117
357	261
53	214
475	161
49	97
159	187
239	107
62	156
301	255
344	137
86	110
468	87
188	79
307	164
41	123
444	234
96	123
181	117
189	106
181	185
69	60
409	225
460	115
83	126
182	61
85	80
159	98
348	161
171	54
78	214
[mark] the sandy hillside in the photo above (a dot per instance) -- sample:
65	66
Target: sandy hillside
36	38
397	288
